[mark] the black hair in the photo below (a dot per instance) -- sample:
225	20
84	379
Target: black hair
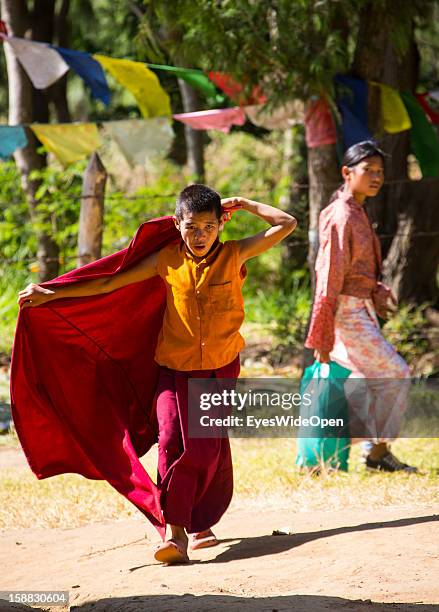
362	150
198	198
356	154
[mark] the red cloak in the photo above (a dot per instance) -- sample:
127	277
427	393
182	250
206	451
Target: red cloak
83	376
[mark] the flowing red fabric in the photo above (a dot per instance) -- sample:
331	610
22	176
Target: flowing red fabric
83	376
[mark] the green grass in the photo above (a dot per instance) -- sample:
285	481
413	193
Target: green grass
265	477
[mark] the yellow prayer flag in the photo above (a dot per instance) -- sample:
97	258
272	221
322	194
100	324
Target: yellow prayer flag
152	99
393	112
68	141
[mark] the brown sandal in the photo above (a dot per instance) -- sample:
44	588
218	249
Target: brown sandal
202	539
172	551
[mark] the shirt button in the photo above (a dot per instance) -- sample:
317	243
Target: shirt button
198	318
203	343
198	291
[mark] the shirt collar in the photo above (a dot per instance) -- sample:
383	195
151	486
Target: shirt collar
344	196
207	259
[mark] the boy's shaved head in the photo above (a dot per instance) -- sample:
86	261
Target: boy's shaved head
198	198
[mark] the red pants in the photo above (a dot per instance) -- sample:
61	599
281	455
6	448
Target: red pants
195	474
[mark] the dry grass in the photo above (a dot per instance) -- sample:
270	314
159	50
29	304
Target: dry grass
265	477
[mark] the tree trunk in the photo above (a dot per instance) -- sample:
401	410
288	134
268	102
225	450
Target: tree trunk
16	17
194	138
406	210
324	177
91	218
412	261
57	93
293	200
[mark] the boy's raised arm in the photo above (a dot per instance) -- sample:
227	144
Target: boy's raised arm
35	295
281	223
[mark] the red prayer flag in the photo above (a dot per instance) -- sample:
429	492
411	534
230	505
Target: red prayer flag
234	90
319	124
431	114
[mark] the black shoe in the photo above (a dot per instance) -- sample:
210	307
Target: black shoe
389	463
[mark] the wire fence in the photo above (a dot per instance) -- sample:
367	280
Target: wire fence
291	244
295	243
293	185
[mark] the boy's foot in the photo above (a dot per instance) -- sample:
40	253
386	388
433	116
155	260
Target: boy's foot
202	539
389	463
172	551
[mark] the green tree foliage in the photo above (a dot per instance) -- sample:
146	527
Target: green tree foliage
290	49
108	27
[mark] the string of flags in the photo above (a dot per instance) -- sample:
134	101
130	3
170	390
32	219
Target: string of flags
137	139
400	111
140	139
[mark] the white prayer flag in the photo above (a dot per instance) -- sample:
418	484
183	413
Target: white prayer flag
43	65
140	139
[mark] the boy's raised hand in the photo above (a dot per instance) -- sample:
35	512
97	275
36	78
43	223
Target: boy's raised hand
34	295
281	223
229	205
233	203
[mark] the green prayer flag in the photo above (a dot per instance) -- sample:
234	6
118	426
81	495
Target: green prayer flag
195	78
423	137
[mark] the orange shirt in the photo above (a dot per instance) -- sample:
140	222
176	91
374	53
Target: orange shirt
204	308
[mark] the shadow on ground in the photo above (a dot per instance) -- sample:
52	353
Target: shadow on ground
207	603
269	545
225	603
249	548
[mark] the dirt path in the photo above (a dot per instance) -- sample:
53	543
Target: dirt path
350	560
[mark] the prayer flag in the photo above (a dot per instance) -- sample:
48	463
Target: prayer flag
423	137
152	99
352	102
393	112
140	139
218	119
12	137
43	65
196	78
353	130
319	124
69	142
235	90
282	117
431	114
88	69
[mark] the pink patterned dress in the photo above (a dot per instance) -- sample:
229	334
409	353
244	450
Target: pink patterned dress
344	321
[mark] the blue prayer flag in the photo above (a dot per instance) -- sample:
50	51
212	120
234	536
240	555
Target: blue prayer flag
89	69
12	137
352	102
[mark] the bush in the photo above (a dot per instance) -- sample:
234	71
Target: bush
11	281
406	331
